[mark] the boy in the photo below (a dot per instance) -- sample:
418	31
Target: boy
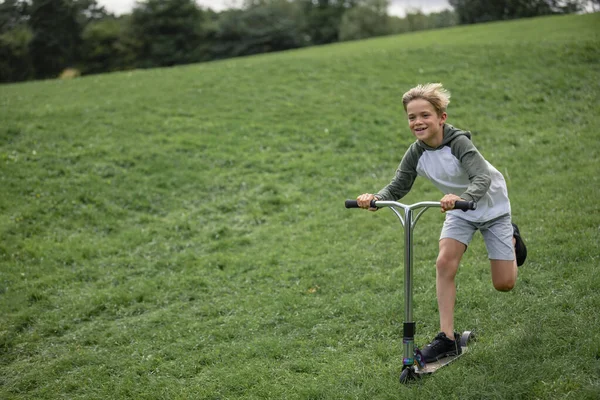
446	156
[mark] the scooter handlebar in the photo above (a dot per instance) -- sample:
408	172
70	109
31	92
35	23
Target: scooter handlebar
459	205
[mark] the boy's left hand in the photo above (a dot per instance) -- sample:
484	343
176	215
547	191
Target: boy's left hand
447	202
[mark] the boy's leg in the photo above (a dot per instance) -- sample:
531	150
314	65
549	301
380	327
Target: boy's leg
446	343
456	235
504	274
500	243
451	252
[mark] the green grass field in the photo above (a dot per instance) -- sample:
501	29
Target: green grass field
180	233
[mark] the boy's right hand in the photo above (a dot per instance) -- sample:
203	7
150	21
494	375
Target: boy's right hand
364	201
447	202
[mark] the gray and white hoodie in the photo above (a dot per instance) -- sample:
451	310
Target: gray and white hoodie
455	167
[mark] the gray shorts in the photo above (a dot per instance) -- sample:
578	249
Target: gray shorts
497	234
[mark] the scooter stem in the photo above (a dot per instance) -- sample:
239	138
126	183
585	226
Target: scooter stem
408	337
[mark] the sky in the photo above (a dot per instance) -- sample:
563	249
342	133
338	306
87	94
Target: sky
397	7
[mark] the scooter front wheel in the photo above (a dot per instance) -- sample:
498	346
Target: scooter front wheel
408	375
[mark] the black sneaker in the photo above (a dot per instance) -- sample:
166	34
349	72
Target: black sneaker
441	347
520	248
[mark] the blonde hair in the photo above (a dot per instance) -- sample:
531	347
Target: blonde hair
432	92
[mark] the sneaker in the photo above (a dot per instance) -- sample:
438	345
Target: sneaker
520	248
441	347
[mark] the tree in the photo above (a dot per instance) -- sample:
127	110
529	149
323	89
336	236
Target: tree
323	19
108	46
398	25
443	19
367	19
417	21
56	36
261	27
572	6
473	11
13	13
15	61
169	31
276	25
89	11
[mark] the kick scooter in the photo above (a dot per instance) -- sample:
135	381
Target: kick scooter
413	364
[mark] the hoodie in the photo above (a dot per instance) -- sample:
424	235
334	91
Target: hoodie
456	167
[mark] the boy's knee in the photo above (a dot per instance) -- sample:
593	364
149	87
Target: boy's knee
446	266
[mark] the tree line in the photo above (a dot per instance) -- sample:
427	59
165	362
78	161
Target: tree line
40	39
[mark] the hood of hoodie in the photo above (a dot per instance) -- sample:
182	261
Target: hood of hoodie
450	133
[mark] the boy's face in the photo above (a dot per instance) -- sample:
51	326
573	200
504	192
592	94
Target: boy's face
425	123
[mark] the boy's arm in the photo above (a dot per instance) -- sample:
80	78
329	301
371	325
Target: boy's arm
475	166
404	178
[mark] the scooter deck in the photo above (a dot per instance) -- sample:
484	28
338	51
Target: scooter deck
431	367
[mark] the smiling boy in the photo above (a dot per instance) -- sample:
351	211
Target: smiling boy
446	156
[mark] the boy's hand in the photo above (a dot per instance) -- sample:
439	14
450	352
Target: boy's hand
447	202
364	201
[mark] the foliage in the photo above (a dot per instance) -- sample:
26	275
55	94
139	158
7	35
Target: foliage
417	21
261	28
13	14
89	11
56	36
179	233
473	11
108	45
323	19
365	20
82	34
15	61
443	19
168	30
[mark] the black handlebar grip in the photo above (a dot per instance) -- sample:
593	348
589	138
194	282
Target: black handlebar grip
351	204
354	204
465	205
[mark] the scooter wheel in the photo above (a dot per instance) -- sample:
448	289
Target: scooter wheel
466	337
408	375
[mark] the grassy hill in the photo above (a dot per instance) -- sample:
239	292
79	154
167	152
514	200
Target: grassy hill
180	233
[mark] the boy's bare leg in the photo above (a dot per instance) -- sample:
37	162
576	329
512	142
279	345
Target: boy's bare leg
451	252
504	273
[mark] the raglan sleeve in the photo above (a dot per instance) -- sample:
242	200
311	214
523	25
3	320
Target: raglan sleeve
476	167
404	178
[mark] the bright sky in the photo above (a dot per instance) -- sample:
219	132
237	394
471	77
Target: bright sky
397	7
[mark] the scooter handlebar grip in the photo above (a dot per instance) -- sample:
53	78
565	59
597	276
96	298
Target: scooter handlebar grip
354	204
465	205
351	204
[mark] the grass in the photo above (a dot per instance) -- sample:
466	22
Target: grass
180	233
